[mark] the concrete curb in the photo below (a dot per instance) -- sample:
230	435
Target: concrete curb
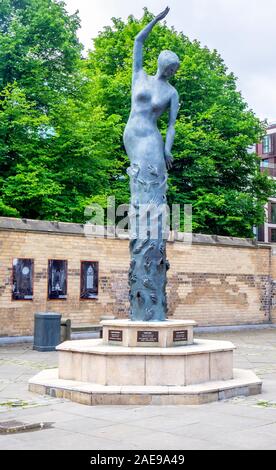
226	328
30	339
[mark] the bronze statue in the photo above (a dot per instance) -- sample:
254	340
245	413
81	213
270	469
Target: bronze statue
150	158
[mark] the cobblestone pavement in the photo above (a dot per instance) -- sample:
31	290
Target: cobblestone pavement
239	423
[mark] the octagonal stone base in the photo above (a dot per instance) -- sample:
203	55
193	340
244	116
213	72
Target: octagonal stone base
146	363
96	362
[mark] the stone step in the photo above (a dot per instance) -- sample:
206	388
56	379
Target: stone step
243	383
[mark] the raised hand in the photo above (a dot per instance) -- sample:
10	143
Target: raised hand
140	38
168	159
162	14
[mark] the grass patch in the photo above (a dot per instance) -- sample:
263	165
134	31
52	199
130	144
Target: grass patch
14	403
266	404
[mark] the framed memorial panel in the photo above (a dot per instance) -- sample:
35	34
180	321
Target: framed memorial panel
57	279
22	279
89	280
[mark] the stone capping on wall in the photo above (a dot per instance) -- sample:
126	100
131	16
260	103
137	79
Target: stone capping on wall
68	228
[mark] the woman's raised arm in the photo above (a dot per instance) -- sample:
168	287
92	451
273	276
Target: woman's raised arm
140	38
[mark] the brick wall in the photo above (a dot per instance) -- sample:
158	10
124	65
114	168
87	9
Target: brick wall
216	281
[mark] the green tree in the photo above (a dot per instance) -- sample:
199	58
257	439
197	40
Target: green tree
39	56
39	48
56	140
213	168
21	146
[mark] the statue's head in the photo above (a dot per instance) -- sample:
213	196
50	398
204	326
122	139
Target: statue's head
168	63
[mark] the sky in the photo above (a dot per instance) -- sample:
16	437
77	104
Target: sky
242	31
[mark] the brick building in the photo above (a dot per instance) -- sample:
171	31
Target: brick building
267	151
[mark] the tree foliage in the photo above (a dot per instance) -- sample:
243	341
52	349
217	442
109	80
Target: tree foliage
62	119
55	136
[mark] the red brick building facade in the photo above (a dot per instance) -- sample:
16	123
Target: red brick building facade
267	151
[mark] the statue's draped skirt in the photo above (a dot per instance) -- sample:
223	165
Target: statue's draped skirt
148	266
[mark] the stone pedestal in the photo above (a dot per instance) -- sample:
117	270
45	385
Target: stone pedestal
95	362
146	363
163	334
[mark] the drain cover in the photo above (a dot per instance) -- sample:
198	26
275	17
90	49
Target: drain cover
18	426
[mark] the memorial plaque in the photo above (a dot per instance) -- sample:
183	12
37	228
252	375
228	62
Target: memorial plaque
89	280
22	282
57	279
180	335
147	336
115	335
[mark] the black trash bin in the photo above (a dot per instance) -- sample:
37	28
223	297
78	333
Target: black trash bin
46	331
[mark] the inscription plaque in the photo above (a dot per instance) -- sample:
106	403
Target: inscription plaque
115	335
147	336
180	335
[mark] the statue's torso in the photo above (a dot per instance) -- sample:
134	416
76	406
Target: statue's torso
150	97
142	139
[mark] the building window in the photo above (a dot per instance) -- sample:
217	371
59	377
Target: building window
260	233
57	279
89	279
22	284
273	235
267	144
273	213
265	163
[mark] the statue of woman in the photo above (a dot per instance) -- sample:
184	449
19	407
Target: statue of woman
150	158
